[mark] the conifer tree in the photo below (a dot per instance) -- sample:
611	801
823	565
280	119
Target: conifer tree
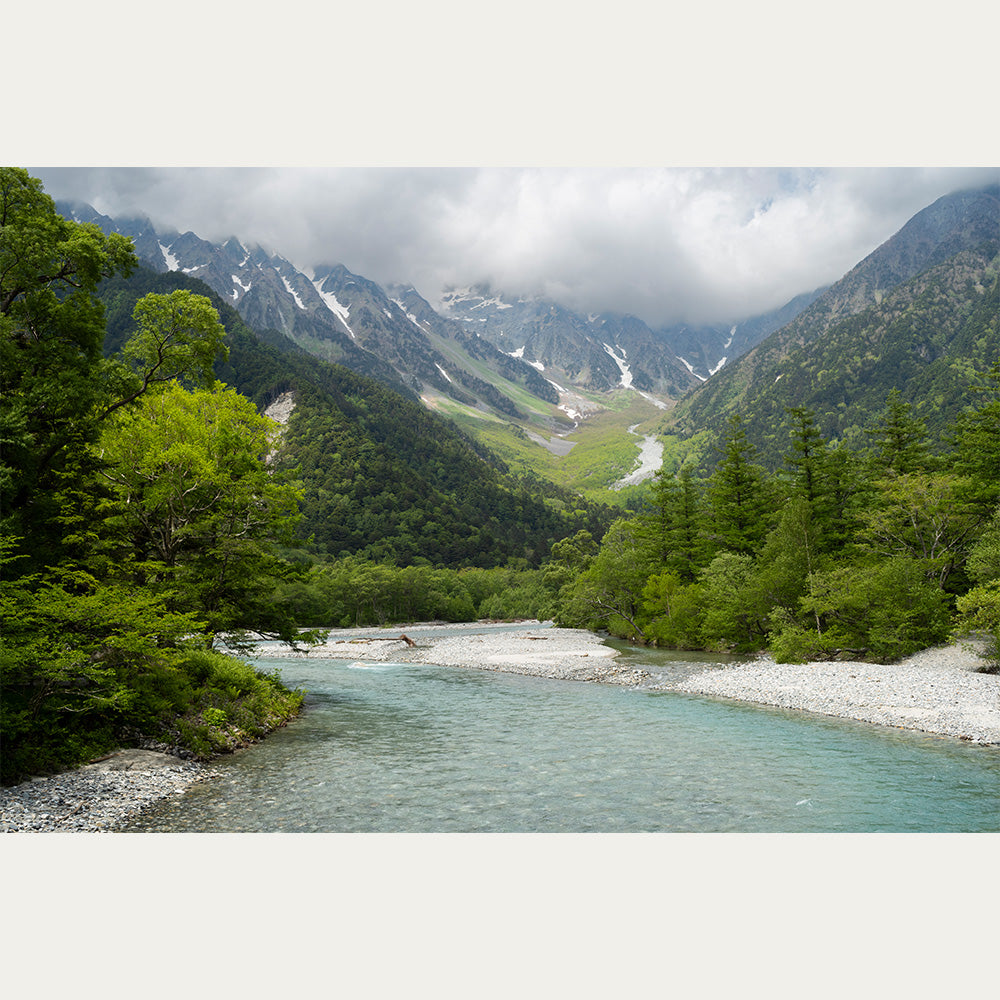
899	439
738	494
678	523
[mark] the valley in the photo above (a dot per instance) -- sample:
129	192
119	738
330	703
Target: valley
548	390
829	489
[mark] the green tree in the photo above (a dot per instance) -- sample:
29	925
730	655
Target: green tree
677	525
734	616
51	366
178	336
899	441
75	655
922	515
194	507
978	610
806	459
883	611
673	611
568	558
740	501
976	444
608	593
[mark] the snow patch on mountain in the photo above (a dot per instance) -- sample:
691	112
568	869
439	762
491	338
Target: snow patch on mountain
413	319
496	302
519	354
455	295
291	291
626	380
658	403
173	264
442	371
722	361
687	365
335	306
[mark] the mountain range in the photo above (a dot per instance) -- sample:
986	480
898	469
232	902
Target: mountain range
529	344
529	375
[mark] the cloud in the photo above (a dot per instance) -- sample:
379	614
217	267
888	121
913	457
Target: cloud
667	245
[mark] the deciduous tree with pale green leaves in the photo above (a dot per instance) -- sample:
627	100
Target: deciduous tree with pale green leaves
194	507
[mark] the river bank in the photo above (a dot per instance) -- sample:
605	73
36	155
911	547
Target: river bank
937	691
100	796
940	691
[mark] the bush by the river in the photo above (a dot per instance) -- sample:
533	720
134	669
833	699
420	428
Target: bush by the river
77	703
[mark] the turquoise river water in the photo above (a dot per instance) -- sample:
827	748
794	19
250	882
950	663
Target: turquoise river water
385	747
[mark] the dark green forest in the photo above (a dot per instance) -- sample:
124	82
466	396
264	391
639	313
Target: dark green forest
872	553
155	522
382	477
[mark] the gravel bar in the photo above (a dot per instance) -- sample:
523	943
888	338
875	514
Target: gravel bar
98	797
940	690
539	651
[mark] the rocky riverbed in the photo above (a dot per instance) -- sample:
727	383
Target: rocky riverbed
540	651
938	691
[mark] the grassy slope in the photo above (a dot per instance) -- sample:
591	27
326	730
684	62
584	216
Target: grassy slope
603	451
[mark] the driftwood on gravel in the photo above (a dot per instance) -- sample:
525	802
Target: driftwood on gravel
387	638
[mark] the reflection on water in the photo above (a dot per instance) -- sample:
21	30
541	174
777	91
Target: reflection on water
416	748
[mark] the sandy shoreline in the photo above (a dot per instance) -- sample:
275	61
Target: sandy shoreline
936	691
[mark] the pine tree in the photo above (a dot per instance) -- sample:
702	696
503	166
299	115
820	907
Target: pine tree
677	526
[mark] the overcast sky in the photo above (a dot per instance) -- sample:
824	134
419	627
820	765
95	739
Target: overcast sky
667	245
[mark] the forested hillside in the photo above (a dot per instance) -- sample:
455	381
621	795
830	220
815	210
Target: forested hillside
382	477
866	553
919	315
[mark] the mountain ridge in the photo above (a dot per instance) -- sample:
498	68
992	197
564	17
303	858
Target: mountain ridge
951	245
319	313
530	368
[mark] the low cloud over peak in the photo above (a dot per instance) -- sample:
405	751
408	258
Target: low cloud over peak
667	245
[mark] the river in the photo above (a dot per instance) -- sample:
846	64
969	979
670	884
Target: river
407	747
649	461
